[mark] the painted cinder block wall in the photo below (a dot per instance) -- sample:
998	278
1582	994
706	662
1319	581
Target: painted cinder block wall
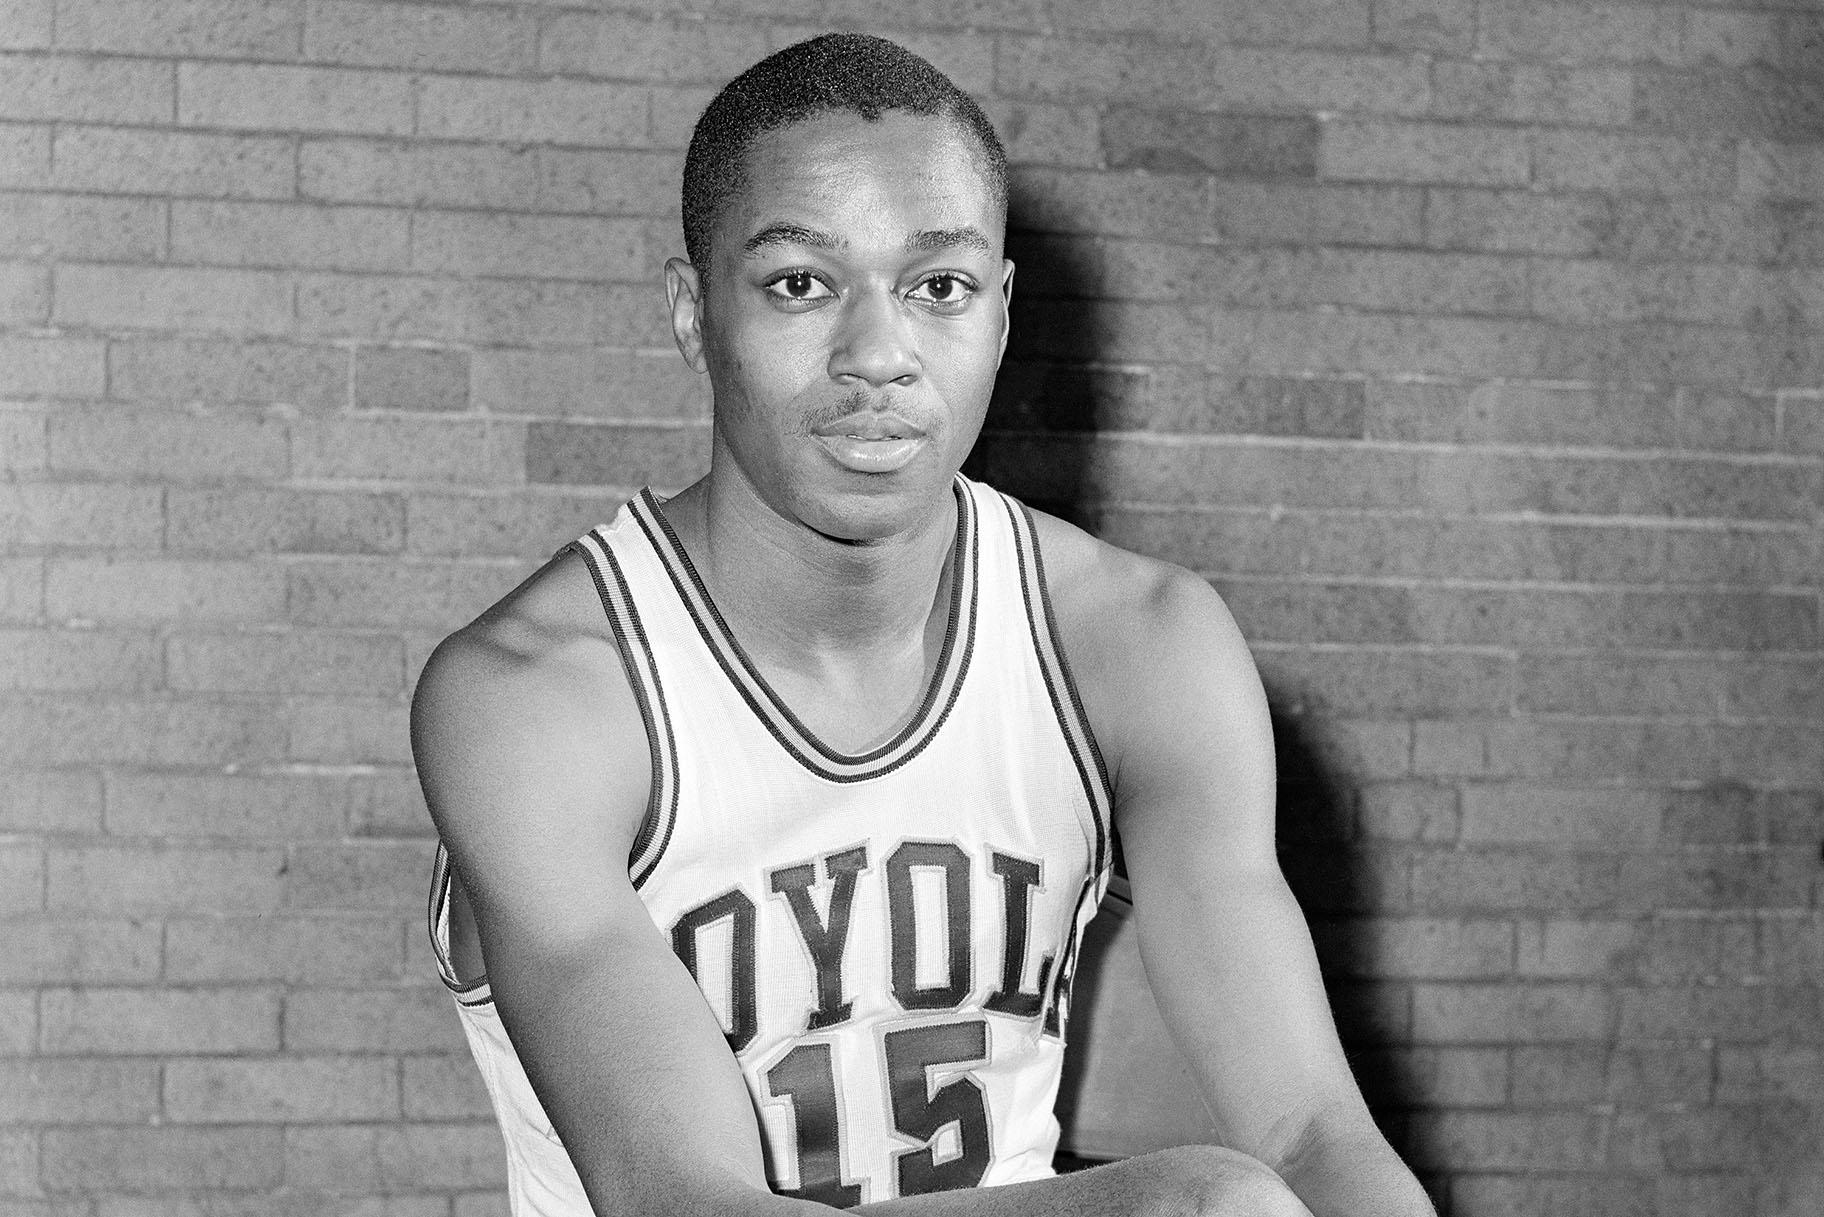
1472	349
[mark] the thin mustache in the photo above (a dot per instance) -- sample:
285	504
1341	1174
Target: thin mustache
860	401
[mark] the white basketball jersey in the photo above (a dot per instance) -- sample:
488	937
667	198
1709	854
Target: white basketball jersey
886	939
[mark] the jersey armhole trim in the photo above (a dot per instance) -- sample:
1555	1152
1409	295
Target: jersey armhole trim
643	676
472	992
661	803
1066	703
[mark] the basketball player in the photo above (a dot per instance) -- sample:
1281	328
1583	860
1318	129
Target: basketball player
775	810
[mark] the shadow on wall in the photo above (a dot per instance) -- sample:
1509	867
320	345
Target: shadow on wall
1054	395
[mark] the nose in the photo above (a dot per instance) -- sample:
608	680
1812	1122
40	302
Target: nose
874	342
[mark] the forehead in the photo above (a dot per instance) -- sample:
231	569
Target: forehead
840	171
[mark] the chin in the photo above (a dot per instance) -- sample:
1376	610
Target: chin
873	511
863	524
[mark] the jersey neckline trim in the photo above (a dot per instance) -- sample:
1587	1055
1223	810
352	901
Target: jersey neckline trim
785	726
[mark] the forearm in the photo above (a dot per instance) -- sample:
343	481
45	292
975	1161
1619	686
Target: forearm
1267	1035
649	1104
1354	1173
1191	1181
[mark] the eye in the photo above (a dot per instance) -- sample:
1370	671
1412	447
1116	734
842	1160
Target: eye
798	287
944	292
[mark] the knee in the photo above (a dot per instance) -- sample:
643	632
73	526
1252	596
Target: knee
1216	1182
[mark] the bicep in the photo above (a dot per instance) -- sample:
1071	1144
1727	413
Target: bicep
536	776
1225	945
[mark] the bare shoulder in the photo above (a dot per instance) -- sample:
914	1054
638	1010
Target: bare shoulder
542	629
524	718
1123	615
1164	674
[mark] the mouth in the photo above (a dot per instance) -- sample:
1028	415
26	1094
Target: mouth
877	444
866	434
870	427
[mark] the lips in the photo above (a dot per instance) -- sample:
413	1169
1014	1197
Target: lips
870	441
869	425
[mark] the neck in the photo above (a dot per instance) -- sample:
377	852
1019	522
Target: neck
789	591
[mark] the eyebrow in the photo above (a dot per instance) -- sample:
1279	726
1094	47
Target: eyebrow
925	241
931	240
789	234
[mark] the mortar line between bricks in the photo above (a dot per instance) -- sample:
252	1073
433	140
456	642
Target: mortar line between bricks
272	630
416	83
412	235
1421	247
1423	447
1553	586
1670	524
1682	722
299	199
1561	719
320	65
325	135
329	133
593	421
163	196
1703	656
1793	523
453	279
477	141
393	560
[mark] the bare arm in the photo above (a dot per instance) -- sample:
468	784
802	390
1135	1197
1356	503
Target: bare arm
1175	696
533	759
534	763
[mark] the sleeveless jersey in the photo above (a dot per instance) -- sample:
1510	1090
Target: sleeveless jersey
887	939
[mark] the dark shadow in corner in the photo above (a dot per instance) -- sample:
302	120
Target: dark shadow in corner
1034	444
1326	865
1052	398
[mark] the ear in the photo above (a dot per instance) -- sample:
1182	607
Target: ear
684	292
1006	306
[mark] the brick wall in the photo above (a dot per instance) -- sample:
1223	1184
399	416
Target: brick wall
1472	349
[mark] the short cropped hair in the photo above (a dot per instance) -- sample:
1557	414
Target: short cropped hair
832	73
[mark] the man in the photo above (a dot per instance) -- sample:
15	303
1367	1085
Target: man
775	810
